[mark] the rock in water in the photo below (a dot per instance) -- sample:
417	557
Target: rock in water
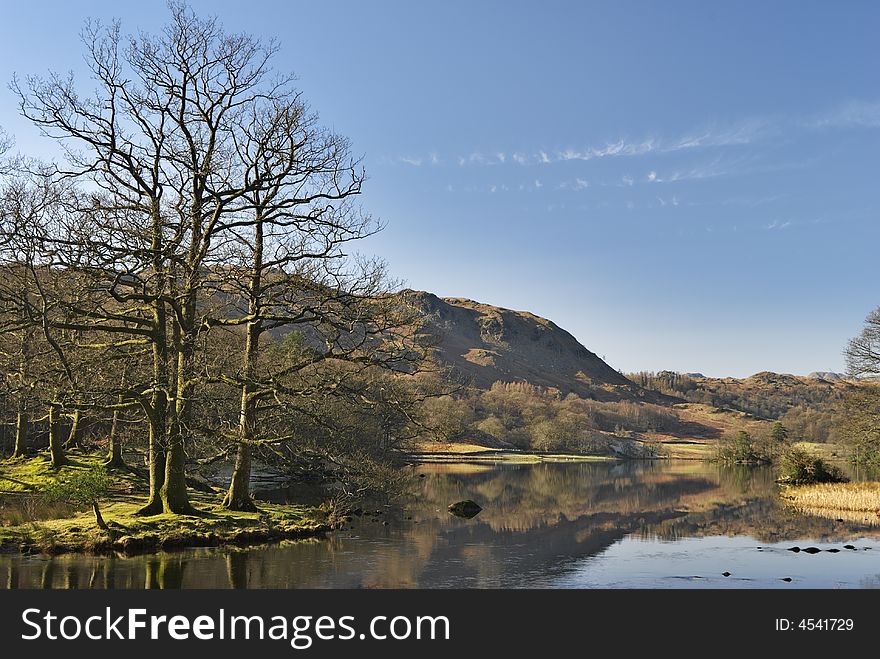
466	509
812	550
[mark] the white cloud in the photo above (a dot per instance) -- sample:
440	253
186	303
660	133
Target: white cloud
740	133
652	176
778	225
519	158
415	162
543	158
854	114
501	157
571	154
576	184
538	184
435	160
627	180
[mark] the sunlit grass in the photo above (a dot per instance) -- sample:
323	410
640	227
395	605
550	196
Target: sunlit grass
855	497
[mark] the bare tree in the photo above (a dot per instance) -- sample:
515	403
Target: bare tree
210	206
863	352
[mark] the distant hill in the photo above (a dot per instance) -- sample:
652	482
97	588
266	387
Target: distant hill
483	344
808	405
828	376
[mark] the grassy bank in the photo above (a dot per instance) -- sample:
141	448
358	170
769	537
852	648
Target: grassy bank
34	526
863	497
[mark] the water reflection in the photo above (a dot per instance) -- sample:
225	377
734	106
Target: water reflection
542	525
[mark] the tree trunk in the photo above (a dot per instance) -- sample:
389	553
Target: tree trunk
238	497
114	454
56	450
156	454
73	436
21	433
175	498
157	411
99	520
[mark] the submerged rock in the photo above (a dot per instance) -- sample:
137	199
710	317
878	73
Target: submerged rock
466	509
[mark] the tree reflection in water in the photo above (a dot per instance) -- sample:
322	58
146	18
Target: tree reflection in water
537	522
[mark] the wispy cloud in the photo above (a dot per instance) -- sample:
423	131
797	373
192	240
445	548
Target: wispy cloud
716	167
717	135
668	202
737	134
778	225
576	184
853	114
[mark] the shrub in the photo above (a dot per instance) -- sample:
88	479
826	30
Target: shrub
742	449
799	467
85	488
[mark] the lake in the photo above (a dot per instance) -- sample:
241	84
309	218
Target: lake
637	524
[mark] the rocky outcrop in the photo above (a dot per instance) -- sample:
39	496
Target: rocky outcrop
482	344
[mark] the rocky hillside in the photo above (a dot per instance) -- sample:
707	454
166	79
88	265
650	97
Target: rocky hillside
482	344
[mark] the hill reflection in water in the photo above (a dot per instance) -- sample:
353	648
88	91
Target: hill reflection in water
542	525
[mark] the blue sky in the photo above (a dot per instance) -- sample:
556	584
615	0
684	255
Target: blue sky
681	185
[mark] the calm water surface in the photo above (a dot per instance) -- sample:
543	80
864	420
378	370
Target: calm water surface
662	524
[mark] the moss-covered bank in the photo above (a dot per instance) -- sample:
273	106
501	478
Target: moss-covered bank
127	532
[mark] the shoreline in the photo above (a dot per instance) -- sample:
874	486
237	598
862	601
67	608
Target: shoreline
65	530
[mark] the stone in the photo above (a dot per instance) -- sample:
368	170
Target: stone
466	509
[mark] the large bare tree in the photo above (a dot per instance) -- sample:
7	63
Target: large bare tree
208	200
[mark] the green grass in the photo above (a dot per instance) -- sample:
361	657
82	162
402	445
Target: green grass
35	474
77	531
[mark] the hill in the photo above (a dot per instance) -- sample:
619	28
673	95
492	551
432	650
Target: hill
482	344
531	385
808	406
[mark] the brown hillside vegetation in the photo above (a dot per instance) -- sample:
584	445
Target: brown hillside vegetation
529	384
484	344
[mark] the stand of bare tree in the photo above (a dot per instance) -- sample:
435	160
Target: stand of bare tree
185	270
